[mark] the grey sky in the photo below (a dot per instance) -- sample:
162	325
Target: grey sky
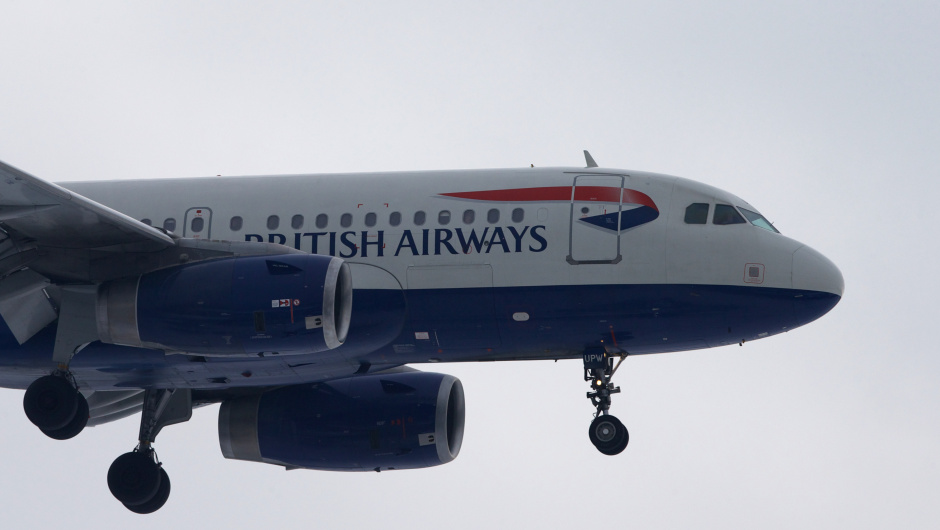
822	114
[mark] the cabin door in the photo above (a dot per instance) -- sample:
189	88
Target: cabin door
594	234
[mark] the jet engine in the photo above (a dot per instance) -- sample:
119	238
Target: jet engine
281	304
366	423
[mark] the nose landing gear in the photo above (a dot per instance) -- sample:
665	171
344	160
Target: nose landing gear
607	433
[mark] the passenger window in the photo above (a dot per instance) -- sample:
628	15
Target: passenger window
273	222
322	220
696	213
725	214
758	220
518	215
492	216
443	218
419	218
147	222
235	224
197	224
468	216
297	222
345	220
394	219
169	224
370	219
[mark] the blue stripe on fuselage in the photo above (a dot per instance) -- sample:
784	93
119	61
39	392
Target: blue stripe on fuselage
463	325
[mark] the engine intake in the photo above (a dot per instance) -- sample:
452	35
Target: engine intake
282	304
372	422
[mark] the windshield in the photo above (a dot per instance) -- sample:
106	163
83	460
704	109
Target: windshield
758	220
725	214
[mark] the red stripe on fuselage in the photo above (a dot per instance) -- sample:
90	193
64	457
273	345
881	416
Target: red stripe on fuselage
558	193
555	193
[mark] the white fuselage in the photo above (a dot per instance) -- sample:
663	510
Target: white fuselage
476	265
666	251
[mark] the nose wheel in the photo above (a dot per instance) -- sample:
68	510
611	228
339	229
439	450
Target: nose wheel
608	435
606	432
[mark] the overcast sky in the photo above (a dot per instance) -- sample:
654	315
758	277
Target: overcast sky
824	115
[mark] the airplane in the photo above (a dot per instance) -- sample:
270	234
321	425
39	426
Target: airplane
301	302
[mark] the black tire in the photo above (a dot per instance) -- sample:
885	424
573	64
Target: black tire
134	478
158	500
50	402
608	435
75	426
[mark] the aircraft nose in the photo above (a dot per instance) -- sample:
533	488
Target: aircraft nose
814	272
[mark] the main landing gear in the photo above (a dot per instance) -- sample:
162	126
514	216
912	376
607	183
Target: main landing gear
137	478
607	433
54	404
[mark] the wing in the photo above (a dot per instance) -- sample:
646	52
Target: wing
49	235
56	247
39	215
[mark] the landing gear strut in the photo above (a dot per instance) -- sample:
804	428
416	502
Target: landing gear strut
54	404
607	433
137	478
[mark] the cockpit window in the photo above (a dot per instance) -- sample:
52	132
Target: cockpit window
696	213
758	220
725	214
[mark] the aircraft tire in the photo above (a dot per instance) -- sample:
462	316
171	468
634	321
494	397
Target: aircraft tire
71	429
608	435
50	402
134	478
158	500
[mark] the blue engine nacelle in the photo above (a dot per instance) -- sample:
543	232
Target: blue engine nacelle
281	304
376	422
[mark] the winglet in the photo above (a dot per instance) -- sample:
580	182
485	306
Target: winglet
589	159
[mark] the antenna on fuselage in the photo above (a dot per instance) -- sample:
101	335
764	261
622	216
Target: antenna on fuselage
589	159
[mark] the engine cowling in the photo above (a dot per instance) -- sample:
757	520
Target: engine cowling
282	304
366	423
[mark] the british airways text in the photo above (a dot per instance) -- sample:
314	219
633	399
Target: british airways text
425	242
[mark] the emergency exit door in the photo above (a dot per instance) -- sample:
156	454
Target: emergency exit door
198	223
